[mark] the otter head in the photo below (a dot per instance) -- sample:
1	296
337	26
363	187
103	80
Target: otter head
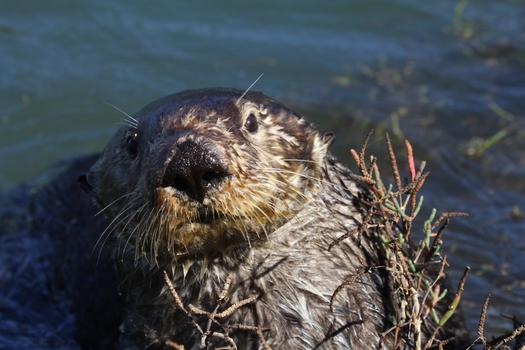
203	170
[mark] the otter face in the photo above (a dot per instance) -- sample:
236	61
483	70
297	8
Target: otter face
202	170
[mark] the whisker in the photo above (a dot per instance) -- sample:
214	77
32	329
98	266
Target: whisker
113	224
155	229
142	232
110	204
248	89
137	227
298	160
121	111
309	177
129	121
242	214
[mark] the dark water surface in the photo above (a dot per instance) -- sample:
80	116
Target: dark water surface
447	75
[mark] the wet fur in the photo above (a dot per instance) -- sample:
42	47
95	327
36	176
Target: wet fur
268	224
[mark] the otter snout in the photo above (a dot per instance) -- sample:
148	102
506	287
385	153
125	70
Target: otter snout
194	170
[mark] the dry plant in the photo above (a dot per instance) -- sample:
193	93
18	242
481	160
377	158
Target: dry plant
222	331
501	342
415	292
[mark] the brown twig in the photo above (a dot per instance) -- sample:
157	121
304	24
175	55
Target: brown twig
504	339
462	281
213	316
342	238
447	215
482	319
174	293
393	162
372	166
236	306
342	286
179	303
365	179
361	164
225	288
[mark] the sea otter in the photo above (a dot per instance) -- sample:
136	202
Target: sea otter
226	199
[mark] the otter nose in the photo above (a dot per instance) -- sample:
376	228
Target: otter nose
194	170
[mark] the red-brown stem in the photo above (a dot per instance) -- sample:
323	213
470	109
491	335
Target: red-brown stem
355	156
410	159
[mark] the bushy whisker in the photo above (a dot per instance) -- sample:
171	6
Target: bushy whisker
257	219
235	217
130	217
149	233
157	227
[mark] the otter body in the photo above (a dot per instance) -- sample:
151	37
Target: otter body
213	187
203	185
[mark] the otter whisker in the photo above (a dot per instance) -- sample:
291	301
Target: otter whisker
127	123
257	219
160	227
126	220
131	121
151	235
245	217
248	89
247	198
285	171
299	160
110	204
286	186
113	224
239	216
130	235
150	229
319	180
161	233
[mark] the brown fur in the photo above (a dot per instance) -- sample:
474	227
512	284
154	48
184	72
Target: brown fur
267	216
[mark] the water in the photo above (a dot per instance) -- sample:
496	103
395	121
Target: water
442	73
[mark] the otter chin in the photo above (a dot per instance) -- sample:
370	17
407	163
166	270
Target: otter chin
213	185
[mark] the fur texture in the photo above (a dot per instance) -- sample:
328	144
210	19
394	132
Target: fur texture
204	186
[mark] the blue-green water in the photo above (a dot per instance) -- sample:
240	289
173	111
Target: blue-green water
441	73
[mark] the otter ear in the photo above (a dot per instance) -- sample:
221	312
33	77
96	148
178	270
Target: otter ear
84	183
328	138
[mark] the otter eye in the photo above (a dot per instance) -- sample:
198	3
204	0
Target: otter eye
132	146
251	123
